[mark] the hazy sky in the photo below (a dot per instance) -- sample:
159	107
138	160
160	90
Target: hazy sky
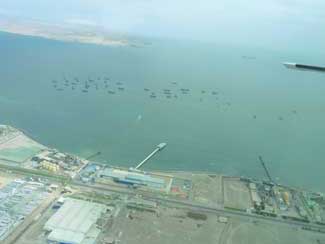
277	23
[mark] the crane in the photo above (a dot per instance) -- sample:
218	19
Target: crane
265	169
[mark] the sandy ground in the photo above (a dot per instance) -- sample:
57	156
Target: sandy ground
240	232
174	226
204	193
236	194
170	226
19	141
19	148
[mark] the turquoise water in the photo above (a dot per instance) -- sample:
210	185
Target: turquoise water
202	133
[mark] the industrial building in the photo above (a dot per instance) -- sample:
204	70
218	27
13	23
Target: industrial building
49	166
132	178
75	222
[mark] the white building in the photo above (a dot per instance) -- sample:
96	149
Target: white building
75	222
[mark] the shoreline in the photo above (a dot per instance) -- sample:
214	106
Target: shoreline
69	33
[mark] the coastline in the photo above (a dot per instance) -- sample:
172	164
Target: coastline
67	33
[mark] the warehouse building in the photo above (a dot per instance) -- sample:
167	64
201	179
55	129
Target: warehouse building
132	178
75	222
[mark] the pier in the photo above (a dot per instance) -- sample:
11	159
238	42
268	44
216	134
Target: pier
159	147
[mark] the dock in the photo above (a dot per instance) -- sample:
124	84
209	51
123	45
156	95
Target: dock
159	147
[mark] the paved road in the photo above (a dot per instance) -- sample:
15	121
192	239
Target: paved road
182	203
32	172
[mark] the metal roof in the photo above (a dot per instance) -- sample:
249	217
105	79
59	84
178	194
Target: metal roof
73	220
132	176
66	236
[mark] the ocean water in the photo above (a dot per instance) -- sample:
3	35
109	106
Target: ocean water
261	108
